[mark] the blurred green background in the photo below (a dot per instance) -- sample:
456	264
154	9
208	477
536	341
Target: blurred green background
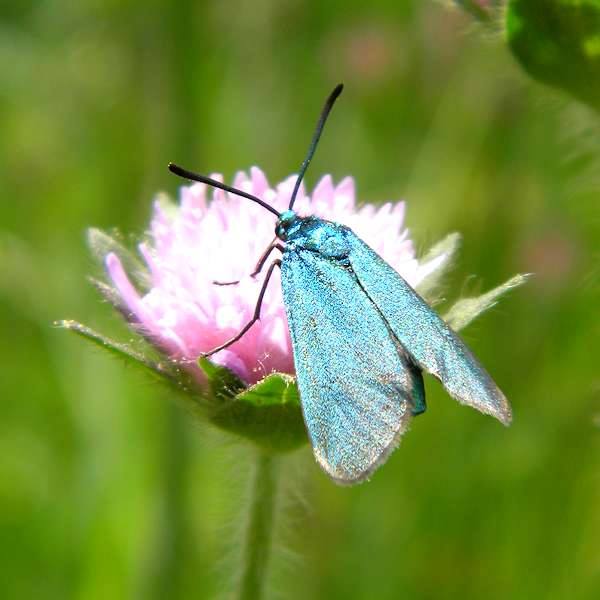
106	489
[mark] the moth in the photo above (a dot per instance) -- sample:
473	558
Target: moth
361	337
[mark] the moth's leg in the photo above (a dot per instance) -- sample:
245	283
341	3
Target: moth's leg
263	259
259	264
255	317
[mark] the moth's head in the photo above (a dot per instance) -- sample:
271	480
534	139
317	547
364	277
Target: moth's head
287	220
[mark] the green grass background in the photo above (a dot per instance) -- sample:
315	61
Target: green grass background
106	489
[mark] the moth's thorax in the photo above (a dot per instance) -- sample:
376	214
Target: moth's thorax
311	233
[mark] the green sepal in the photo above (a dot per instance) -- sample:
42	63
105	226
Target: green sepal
223	385
102	243
164	371
466	310
113	297
267	413
558	43
447	247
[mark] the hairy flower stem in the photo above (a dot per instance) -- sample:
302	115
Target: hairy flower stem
480	10
259	528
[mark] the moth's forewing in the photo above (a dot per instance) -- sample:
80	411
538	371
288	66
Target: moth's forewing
357	390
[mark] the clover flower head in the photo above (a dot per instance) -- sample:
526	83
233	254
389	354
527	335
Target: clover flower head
216	236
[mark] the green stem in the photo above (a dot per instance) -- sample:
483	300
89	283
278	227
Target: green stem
259	529
165	575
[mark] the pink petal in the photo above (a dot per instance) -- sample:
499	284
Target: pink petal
259	182
121	281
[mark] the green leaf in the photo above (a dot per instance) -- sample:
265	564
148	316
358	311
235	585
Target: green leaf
558	43
467	309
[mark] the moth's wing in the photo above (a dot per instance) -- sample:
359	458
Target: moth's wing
426	338
356	385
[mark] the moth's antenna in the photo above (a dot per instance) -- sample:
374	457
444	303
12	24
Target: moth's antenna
315	139
222	186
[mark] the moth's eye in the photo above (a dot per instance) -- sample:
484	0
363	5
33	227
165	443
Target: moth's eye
286	219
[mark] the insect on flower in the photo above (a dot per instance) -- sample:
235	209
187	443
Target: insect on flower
361	337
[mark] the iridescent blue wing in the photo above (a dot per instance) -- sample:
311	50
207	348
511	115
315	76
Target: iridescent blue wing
357	388
423	334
